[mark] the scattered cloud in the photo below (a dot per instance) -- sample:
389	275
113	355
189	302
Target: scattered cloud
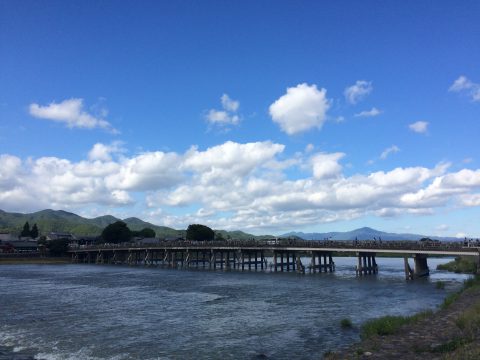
309	148
227	116
391	150
369	113
302	108
467	87
442	227
358	91
229	104
71	113
420	127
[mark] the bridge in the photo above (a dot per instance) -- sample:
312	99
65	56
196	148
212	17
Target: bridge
284	255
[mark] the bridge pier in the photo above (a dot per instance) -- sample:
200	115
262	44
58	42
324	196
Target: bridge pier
328	264
287	260
255	259
367	264
420	267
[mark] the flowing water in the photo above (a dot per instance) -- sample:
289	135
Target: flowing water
119	312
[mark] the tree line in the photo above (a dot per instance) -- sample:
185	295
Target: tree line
118	232
27	232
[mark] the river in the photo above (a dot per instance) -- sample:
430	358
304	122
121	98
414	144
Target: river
118	312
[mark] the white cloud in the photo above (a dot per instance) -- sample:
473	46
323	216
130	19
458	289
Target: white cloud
227	116
232	186
358	91
470	200
104	152
466	86
71	113
369	113
442	227
326	165
302	108
229	104
420	127
230	160
391	150
220	117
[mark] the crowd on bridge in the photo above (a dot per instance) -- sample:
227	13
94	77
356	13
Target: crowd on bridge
423	244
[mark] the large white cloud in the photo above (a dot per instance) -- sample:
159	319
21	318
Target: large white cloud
231	186
302	108
71	113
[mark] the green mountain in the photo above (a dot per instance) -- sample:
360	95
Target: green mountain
63	221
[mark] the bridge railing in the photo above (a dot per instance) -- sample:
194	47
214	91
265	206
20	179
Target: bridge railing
282	243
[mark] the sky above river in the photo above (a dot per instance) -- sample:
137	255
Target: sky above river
264	116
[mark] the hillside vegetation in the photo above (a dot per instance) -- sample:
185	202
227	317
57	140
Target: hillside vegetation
63	221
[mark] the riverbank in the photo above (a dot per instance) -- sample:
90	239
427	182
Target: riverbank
451	333
34	260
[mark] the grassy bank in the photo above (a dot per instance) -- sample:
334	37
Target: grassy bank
36	260
466	265
451	332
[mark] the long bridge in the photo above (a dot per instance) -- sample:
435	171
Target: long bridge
284	255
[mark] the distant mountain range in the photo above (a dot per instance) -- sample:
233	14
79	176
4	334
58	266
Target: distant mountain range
63	221
364	233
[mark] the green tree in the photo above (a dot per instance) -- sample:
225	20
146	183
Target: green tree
26	230
145	233
58	247
117	232
200	232
34	231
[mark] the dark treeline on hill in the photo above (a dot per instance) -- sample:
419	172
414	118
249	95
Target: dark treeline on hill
119	232
199	232
27	232
66	222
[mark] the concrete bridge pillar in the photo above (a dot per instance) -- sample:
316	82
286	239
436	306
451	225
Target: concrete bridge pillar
421	266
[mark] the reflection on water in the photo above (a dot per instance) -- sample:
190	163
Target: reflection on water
115	312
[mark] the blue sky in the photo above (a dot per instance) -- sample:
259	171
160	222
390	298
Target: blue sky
265	116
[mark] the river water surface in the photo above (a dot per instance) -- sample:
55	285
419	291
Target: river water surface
117	312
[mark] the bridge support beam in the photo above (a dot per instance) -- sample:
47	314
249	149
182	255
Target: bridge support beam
367	264
287	260
322	261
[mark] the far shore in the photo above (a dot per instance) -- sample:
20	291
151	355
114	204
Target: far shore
34	260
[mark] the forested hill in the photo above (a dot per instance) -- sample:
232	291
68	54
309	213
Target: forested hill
62	221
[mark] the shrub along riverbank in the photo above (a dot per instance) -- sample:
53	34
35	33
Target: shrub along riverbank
452	332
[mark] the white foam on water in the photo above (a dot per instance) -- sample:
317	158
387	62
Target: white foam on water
83	354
